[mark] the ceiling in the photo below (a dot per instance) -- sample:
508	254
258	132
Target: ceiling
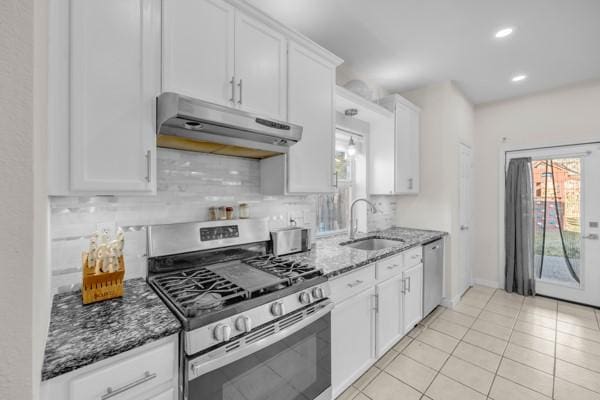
404	44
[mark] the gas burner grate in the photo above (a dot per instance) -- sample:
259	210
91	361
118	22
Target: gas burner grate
199	290
294	271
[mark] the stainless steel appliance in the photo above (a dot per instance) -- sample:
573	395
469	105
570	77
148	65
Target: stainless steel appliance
255	326
291	240
192	124
433	275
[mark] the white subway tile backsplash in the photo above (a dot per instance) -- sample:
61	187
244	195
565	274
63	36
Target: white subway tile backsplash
188	184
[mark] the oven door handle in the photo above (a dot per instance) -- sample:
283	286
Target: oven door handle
213	360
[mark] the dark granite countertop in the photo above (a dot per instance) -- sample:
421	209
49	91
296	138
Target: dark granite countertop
335	260
80	335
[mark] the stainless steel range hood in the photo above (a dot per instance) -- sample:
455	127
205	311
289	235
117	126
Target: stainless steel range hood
190	124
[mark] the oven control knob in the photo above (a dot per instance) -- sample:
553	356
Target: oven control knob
277	309
243	324
318	293
222	332
304	298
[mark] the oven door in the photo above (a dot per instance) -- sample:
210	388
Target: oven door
288	359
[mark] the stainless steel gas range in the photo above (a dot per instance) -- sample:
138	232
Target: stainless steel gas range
256	327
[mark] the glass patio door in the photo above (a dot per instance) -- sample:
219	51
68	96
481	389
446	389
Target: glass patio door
566	215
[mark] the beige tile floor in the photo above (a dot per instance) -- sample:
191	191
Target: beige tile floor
492	345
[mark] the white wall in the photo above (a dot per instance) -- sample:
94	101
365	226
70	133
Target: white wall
565	116
23	203
446	121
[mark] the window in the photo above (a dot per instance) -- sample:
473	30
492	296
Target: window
333	209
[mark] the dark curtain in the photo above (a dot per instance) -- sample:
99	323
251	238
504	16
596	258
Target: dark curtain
518	222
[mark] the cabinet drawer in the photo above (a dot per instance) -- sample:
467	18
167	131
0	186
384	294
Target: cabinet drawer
127	378
353	283
389	267
413	257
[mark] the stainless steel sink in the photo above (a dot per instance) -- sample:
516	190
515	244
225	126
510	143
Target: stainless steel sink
370	244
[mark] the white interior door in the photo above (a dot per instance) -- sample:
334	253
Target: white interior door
465	206
567	196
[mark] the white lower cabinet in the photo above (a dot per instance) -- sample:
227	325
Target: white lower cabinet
352	339
166	395
375	306
390	325
149	372
413	296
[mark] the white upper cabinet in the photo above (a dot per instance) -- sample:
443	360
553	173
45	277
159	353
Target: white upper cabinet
107	102
311	104
214	52
198	49
260	68
395	154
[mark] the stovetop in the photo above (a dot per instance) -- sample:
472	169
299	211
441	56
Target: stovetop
203	294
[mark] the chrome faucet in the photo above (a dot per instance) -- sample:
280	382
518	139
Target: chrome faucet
353	228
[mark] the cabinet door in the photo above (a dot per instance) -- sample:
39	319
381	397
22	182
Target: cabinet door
413	296
198	49
389	316
310	100
352	339
260	68
382	155
167	395
115	78
407	150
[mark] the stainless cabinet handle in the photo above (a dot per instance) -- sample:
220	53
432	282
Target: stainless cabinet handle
355	283
464	228
591	236
408	284
232	82
148	166
403	290
410	183
376	302
335	174
240	85
393	266
110	392
435	247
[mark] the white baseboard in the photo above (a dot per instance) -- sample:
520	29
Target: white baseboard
451	302
488	283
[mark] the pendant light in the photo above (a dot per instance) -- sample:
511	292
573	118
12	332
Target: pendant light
351	147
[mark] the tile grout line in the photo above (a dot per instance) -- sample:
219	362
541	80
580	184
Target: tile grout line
438	372
502	356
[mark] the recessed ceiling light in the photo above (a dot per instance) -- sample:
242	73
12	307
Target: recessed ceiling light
519	78
504	32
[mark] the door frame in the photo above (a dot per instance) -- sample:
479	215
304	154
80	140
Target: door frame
469	273
502	165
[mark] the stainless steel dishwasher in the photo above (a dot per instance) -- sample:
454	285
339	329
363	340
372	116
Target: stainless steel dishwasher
433	275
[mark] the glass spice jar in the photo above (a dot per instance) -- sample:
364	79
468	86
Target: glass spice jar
244	211
229	212
212	213
222	213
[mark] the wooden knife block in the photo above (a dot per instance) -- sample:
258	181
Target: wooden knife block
102	285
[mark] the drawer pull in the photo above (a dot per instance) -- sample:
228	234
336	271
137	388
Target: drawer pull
393	266
355	283
110	392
